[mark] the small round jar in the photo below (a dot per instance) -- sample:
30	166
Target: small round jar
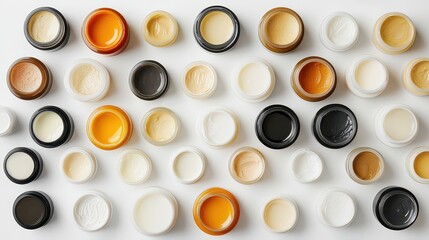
216	211
92	211
218	127
7	121
335	126
281	30
51	127
78	165
33	210
105	31
247	165
395	208
393	33
134	166
160	29
396	125
306	166
148	80
160	126
336	208
414	77
313	79
87	81
28	79
109	127
189	165
367	77
254	80
339	31
155	211
280	214
216	29
45	28
23	165
417	164
364	165
277	126
199	80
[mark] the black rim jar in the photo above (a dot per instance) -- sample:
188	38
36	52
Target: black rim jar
23	165
33	210
149	80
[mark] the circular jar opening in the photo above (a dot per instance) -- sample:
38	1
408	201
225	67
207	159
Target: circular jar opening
33	210
336	208
160	126
78	165
415	77
417	164
92	211
23	165
149	80
199	80
219	127
280	214
160	29
306	165
7	121
364	165
189	165
367	77
134	166
339	31
247	165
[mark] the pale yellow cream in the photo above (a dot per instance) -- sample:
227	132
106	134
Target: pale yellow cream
396	31
420	74
160	29
282	28
43	27
217	27
161	126
199	79
248	166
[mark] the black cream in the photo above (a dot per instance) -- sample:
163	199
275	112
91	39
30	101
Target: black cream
149	80
22	165
33	210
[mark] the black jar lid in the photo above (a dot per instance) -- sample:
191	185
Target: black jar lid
59	41
277	126
395	208
221	47
33	210
68	127
335	126
37	165
149	80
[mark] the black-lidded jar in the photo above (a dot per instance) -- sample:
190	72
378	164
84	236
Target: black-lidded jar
395	208
216	29
45	28
149	80
23	165
277	126
51	127
335	126
33	209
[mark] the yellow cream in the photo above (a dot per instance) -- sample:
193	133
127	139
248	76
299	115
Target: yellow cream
216	27
420	74
199	79
161	126
421	165
160	29
396	31
282	28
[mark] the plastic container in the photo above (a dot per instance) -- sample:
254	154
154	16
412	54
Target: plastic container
336	208
247	165
78	165
414	77
160	126
7	121
23	165
339	31
364	165
189	165
33	210
306	166
134	166
199	80
417	163
280	214
92	211
160	29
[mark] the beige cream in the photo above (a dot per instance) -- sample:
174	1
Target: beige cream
199	79
43	27
160	29
247	165
280	215
160	126
283	28
416	76
217	27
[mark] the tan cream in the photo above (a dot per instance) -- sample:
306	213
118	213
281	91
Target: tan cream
160	126
160	29
395	31
199	79
420	74
217	27
247	165
282	28
416	76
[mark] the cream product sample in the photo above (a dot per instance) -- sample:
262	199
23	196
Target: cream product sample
336	208
364	165
189	165
92	211
254	80
155	212
280	214
22	165
7	121
417	164
78	165
416	77
306	166
160	126
367	77
394	33
218	127
87	81
396	125
160	29
339	31
134	166
247	165
199	80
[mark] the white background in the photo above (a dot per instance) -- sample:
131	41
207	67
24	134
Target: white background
277	180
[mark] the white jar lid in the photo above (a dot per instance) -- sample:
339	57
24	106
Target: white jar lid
87	81
92	211
339	31
280	214
155	212
336	208
7	121
189	165
218	127
306	166
199	80
134	166
78	165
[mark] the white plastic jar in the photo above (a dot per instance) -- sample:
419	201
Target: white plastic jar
218	127
78	165
339	31
7	121
336	208
199	80
189	165
306	166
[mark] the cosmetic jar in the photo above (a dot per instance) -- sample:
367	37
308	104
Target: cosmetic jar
33	209
364	165
23	165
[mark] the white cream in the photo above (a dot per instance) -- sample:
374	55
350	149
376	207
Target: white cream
399	124
339	31
92	211
43	27
336	208
199	80
219	128
134	166
7	121
20	166
155	212
48	126
370	74
78	165
280	214
189	165
306	165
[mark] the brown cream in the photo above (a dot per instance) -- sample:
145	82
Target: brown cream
366	165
